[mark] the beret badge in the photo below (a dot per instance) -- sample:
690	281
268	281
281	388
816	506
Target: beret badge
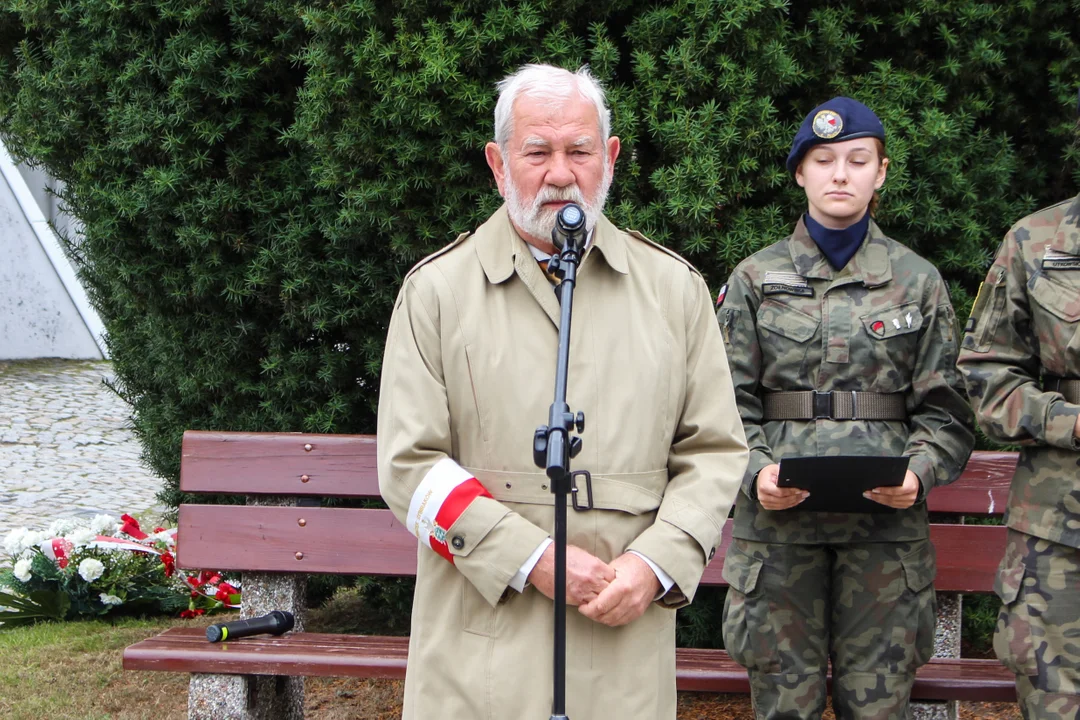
827	124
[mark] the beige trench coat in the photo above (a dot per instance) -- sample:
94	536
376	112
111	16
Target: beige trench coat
468	374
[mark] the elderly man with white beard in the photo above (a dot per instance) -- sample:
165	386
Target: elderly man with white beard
468	374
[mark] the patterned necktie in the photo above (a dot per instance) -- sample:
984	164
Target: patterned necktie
552	277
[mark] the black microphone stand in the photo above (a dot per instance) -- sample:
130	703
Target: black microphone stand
553	446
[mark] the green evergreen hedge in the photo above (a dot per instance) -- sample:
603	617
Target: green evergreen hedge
253	177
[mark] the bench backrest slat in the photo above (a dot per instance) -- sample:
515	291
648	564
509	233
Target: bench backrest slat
981	489
345	466
275	464
344	541
967	557
371	542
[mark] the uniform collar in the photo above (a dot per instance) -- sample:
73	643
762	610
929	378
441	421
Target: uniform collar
498	244
1070	228
870	264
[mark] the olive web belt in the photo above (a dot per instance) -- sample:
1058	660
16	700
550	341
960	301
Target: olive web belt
1069	387
835	405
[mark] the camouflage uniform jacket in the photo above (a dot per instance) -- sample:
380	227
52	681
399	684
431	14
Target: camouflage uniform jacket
882	324
1025	325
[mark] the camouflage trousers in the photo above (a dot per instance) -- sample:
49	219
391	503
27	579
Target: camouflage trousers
869	608
1038	629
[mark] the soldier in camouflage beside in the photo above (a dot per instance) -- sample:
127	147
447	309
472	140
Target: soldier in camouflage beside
841	341
1021	362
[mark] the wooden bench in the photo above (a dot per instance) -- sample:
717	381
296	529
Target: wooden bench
282	534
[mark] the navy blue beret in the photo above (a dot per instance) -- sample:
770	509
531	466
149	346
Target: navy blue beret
834	121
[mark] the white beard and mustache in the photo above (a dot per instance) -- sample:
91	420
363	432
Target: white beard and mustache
536	220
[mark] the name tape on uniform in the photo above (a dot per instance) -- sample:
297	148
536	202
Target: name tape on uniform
1057	260
786	283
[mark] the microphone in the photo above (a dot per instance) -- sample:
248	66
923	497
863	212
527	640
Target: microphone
274	623
569	228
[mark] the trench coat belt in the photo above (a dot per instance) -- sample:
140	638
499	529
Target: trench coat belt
637	492
1069	387
834	405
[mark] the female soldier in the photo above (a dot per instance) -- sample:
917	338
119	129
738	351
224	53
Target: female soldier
841	342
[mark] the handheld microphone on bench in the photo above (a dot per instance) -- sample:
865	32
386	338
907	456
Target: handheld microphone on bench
274	623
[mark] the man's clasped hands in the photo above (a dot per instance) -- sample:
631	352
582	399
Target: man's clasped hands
613	594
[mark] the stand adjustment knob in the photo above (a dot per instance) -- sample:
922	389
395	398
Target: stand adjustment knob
579	422
540	442
575	446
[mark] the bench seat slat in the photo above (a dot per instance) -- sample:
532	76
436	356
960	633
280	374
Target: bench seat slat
372	542
186	650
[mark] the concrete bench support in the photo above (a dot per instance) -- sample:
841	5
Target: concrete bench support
254	697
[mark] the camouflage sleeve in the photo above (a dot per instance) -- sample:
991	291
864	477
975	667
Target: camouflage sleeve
942	430
737	316
1000	364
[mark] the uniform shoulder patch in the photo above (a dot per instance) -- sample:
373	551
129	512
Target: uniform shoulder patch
721	295
441	251
667	251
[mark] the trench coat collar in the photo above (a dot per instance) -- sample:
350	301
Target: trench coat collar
870	264
498	245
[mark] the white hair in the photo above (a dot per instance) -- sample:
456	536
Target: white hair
548	82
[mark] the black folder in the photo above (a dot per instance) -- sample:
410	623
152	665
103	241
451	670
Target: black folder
837	482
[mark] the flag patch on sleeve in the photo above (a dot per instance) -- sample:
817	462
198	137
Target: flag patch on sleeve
721	295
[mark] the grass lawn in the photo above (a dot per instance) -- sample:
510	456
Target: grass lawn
72	670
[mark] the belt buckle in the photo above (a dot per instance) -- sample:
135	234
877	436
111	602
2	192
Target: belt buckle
574	490
822	405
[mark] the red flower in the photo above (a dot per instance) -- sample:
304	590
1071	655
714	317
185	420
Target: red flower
131	527
62	562
169	562
193	581
187	614
226	593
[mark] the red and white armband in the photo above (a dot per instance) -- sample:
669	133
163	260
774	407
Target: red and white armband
439	501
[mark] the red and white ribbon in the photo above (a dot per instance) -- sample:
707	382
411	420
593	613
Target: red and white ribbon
58	550
105	542
439	501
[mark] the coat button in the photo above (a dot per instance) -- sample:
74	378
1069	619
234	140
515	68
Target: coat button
458	542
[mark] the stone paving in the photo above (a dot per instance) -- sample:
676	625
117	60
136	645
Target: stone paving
66	447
